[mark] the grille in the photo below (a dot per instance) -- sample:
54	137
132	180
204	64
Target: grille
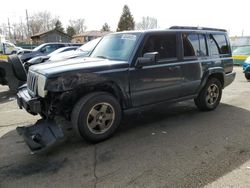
32	83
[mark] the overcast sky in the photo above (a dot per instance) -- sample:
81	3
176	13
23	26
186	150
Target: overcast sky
228	14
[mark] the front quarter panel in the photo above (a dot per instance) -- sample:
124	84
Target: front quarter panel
81	82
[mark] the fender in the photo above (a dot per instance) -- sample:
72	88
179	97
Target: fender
246	69
208	73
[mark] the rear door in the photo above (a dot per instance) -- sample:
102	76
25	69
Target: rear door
160	81
194	53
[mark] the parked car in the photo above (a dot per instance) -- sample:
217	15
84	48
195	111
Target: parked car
43	50
240	54
83	51
127	71
65	53
42	59
246	68
23	51
8	48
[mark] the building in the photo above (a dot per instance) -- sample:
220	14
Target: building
88	35
50	36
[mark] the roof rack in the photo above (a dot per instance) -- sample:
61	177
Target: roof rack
197	28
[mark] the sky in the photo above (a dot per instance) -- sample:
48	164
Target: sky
227	14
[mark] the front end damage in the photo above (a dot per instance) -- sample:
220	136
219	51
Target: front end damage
41	136
46	132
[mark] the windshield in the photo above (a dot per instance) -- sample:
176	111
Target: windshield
89	46
116	46
242	51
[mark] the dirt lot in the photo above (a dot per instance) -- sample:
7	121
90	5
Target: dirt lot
174	146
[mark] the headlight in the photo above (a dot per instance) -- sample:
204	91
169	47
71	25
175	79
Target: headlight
41	81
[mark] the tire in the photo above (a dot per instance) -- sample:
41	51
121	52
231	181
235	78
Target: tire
14	85
210	96
96	116
18	68
247	76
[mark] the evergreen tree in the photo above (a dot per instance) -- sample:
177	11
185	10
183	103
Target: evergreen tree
71	31
58	26
105	27
126	20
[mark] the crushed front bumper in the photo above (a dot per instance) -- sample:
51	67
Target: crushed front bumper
45	133
42	135
30	104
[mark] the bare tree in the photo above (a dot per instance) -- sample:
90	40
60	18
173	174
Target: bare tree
39	22
3	29
42	21
19	31
78	25
147	23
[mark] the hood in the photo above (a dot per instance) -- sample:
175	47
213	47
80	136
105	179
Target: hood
38	59
30	55
68	55
87	64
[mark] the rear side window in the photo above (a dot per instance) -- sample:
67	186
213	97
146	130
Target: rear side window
218	44
190	45
194	45
165	45
222	43
214	50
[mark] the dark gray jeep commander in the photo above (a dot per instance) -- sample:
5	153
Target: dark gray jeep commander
126	71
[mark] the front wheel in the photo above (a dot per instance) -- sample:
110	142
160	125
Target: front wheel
210	96
96	116
247	76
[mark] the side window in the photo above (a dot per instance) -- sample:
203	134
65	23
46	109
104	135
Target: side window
203	45
190	45
222	43
49	48
165	45
59	46
52	47
214	49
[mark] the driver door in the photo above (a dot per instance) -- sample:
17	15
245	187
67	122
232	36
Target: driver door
160	81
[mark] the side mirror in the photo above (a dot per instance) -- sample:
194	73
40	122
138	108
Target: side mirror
147	59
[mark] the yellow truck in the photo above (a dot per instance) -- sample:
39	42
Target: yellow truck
240	54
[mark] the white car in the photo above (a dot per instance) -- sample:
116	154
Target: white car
8	48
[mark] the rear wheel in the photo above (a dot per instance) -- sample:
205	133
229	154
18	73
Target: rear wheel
210	96
247	76
96	116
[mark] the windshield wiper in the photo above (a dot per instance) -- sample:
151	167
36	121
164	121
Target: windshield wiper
103	57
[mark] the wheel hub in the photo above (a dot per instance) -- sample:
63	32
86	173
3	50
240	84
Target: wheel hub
100	118
212	94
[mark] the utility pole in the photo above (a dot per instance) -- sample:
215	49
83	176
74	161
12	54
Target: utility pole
21	28
27	20
9	29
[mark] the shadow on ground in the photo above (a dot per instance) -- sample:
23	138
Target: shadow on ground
7	96
168	146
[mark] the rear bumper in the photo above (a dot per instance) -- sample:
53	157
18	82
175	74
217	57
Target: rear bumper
229	78
29	103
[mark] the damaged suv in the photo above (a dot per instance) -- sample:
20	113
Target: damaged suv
126	71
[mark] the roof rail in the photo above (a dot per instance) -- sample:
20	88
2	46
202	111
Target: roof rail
197	28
